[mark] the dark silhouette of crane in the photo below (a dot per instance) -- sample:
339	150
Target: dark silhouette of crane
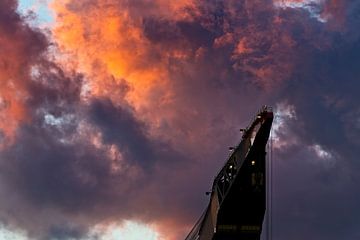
238	197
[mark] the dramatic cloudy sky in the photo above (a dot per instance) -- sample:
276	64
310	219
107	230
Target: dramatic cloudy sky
115	115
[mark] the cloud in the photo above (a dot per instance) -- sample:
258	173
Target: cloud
130	111
21	47
325	98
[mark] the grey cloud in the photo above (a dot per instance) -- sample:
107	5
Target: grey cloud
75	181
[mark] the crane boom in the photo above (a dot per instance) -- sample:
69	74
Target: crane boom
238	198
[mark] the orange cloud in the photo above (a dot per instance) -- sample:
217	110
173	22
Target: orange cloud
139	55
12	91
107	43
19	46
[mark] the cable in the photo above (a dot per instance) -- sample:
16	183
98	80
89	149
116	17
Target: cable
269	190
271	184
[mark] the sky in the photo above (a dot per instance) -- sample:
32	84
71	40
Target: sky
116	115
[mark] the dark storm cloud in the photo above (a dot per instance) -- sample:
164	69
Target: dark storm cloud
175	34
12	24
239	55
120	127
326	92
317	198
47	174
66	232
21	46
322	83
51	172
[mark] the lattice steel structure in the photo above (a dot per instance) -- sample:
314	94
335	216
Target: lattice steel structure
238	197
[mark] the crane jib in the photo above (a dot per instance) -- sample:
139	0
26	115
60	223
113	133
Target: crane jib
238	198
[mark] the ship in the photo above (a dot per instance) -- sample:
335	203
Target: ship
238	195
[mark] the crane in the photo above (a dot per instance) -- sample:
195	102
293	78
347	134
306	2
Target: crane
238	196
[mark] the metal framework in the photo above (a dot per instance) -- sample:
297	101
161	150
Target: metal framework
217	222
228	173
